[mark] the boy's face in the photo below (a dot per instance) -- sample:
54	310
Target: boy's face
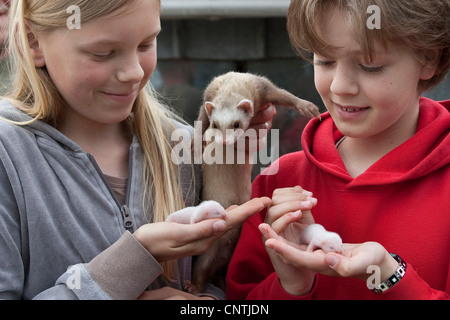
100	68
367	99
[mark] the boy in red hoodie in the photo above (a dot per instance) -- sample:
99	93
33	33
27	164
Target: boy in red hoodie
378	162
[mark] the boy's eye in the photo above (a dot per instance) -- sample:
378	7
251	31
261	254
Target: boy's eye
324	63
371	69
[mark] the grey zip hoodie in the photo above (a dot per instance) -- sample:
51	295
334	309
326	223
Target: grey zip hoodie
63	235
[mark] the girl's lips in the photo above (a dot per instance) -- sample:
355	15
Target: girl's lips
122	97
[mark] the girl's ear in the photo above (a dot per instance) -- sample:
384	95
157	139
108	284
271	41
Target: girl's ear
35	48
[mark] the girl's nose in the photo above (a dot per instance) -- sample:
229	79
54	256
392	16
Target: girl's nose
131	71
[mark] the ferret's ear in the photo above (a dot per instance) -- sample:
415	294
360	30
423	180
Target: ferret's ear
246	106
209	107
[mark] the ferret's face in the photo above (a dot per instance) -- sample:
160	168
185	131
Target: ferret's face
228	125
332	243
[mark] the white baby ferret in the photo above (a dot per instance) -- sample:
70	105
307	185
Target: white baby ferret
316	237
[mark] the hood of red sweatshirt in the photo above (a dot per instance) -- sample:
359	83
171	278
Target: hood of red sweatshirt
427	151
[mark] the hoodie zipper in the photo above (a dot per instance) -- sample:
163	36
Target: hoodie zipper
124	209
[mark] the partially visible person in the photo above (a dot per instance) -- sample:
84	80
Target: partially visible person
378	162
5	72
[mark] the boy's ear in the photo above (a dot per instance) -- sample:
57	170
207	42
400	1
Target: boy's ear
430	60
35	48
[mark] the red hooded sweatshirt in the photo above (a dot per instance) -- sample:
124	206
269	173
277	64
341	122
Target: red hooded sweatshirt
402	202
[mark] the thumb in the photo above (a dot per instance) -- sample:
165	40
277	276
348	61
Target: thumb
332	260
345	266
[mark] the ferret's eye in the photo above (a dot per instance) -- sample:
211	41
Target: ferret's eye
237	125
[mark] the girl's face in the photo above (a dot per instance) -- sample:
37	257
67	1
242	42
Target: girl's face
100	68
367	100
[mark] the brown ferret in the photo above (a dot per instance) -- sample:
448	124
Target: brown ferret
230	101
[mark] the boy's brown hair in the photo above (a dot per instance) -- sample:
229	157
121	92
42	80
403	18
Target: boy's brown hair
422	25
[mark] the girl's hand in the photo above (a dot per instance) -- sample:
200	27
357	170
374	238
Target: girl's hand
354	262
169	240
285	220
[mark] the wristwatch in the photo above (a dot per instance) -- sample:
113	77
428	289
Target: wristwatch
394	278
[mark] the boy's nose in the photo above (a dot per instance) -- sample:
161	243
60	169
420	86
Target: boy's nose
344	82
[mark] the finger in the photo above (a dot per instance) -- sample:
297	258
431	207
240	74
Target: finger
298	258
231	207
265	114
345	266
194	239
278	211
188	233
279	225
295	193
268	233
241	213
296	197
261	128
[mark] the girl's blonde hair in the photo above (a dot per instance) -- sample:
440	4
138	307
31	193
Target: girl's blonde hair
422	25
34	93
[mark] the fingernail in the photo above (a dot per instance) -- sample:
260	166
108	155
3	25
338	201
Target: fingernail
296	214
263	231
306	203
331	260
219	226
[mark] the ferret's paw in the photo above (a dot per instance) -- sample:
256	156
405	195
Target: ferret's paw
208	210
308	109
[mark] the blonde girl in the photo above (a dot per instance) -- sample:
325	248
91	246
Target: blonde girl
86	172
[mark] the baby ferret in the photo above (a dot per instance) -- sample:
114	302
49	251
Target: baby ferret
315	236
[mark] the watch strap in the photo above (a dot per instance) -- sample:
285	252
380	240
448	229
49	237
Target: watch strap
394	278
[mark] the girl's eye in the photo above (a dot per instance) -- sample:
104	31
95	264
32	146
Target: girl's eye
371	69
102	56
146	47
